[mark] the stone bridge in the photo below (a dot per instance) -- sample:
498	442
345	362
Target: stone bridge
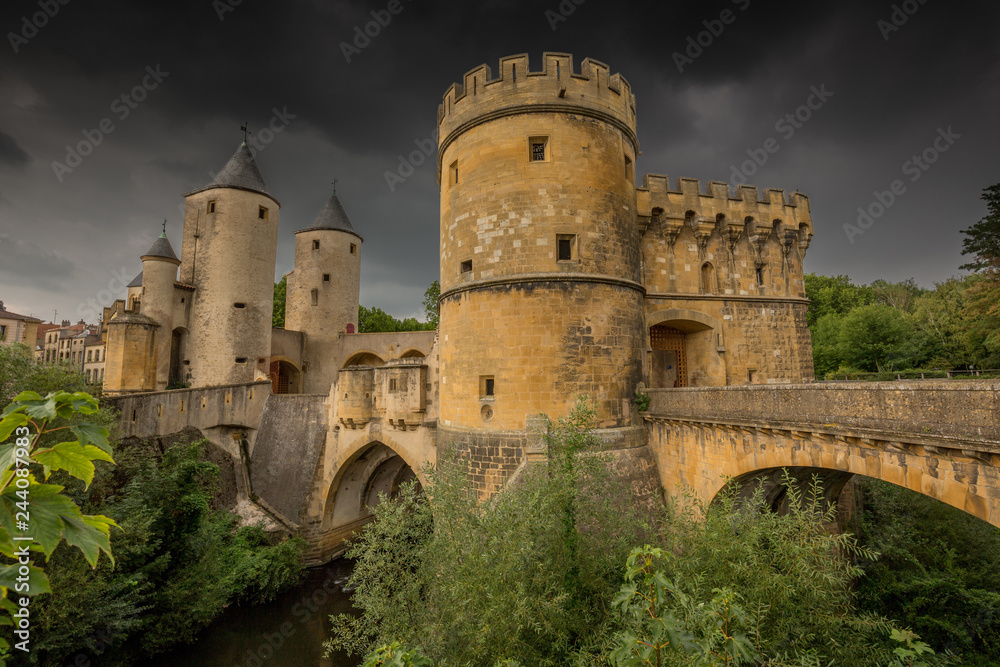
313	463
939	438
316	463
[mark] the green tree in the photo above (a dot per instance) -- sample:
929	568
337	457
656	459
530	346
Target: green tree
873	337
278	313
180	561
939	572
827	350
983	238
784	577
941	315
902	295
42	512
19	372
828	294
431	309
983	312
376	320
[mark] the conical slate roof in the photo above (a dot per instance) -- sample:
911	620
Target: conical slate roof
240	172
161	248
137	281
332	216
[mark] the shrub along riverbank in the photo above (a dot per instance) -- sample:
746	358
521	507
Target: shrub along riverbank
179	557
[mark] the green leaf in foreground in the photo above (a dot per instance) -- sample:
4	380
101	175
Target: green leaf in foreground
73	457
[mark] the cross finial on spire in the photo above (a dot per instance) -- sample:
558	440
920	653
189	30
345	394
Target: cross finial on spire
246	130
164	226
335	185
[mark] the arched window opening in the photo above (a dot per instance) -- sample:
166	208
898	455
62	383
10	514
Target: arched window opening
708	285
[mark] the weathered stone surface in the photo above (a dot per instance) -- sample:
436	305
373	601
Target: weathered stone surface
941	439
288	451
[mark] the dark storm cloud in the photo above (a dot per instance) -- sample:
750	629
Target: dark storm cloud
22	260
353	120
11	153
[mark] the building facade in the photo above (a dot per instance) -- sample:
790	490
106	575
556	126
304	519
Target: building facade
17	329
560	276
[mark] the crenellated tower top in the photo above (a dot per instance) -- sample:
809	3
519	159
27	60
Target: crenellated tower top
592	91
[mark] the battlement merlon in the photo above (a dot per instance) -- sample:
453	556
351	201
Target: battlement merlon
592	91
718	203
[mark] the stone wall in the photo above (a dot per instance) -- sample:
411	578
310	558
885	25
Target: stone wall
288	453
218	412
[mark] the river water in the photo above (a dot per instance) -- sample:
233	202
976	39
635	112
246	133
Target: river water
288	632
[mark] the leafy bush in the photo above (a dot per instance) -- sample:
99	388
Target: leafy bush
38	517
179	562
526	576
530	576
939	572
738	582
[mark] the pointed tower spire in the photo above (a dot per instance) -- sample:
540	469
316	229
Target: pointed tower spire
161	248
332	216
241	172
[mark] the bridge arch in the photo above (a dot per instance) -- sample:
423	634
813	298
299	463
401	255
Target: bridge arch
705	456
365	469
364	358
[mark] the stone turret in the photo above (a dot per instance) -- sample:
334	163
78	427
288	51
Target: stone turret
159	272
229	249
323	290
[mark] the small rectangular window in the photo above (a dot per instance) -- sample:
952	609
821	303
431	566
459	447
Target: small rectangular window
315	297
467	266
262	213
392	384
354	248
315	245
751	375
629	170
565	245
760	275
211	206
486	385
326	277
538	149
241	360
453	172
239	305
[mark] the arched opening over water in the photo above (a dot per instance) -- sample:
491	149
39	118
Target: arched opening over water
374	472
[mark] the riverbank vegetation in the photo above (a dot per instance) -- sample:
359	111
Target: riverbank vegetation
180	558
552	571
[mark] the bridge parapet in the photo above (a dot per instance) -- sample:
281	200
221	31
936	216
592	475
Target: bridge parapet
941	439
965	413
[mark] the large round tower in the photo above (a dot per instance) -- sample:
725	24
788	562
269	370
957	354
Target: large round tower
541	298
229	249
323	290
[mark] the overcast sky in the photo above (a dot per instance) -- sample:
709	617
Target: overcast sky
893	85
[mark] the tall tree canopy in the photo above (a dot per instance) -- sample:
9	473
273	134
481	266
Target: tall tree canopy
983	238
